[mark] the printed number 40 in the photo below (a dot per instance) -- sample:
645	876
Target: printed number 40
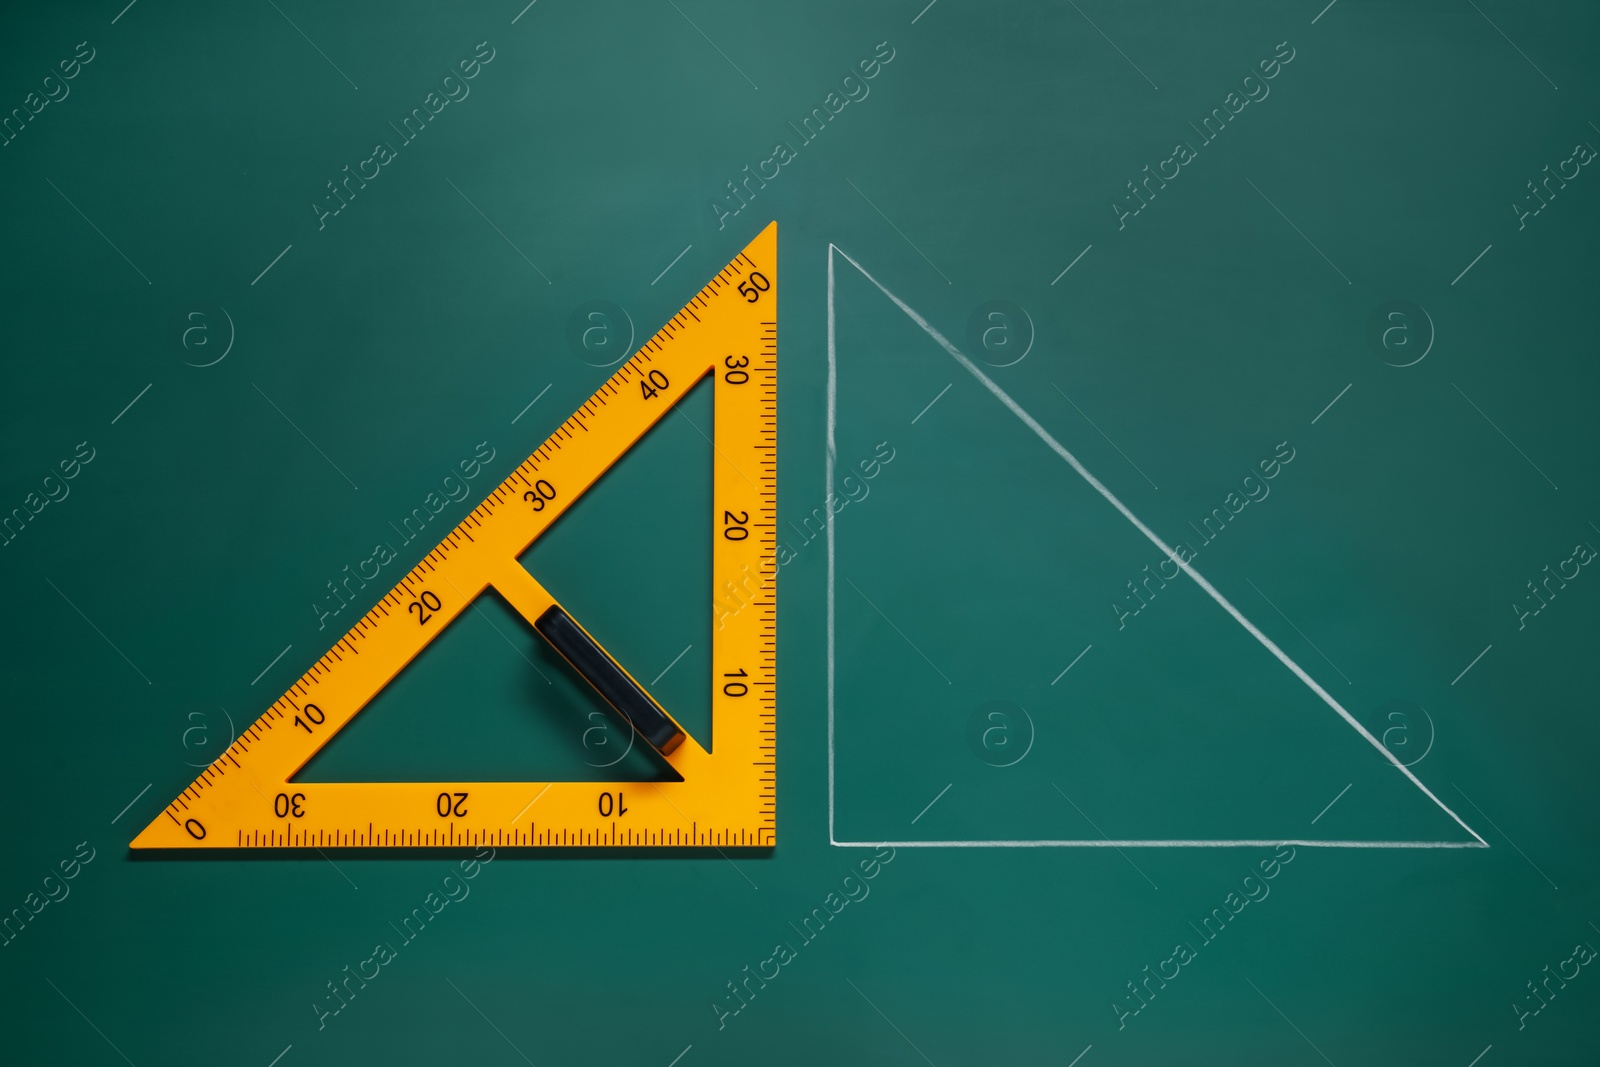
652	383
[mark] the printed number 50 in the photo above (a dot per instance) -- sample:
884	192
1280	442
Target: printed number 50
752	288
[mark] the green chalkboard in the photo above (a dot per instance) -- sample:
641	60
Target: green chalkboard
1187	510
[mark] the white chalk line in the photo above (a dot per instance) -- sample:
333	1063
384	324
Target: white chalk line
1111	498
1253	842
830	453
931	803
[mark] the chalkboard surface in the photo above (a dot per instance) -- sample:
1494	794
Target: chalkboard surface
1187	511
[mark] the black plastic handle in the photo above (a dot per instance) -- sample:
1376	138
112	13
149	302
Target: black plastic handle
609	679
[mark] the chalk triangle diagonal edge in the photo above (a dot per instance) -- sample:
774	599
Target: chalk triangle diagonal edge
248	796
1099	487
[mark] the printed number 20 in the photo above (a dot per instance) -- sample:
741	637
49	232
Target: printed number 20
424	606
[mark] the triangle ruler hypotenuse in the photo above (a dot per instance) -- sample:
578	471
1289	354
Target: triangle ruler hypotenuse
727	796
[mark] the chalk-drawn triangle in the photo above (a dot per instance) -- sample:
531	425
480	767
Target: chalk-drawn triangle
940	627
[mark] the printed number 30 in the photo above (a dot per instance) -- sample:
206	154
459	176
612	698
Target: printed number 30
541	493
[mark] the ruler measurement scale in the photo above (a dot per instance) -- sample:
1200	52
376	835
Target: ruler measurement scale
247	798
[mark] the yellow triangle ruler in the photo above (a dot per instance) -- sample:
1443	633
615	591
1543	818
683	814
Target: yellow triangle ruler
727	796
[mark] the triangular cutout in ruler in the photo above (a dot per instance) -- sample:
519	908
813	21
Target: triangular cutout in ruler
248	798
